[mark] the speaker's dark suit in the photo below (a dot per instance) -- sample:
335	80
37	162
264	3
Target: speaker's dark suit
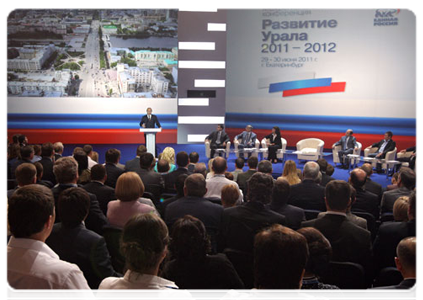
387	239
104	193
212	137
408	289
95	219
308	195
48	169
350	243
150	123
113	173
347	143
86	249
170	178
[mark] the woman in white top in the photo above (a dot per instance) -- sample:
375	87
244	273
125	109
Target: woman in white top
144	245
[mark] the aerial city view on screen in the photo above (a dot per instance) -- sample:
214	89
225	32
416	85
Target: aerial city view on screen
92	53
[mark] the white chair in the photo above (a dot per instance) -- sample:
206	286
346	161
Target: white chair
255	153
311	149
265	148
226	150
406	164
390	156
338	148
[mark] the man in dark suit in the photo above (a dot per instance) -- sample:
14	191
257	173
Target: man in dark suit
248	140
243	177
153	182
348	144
383	147
323	165
66	172
40	171
182	162
410	159
370	185
217	139
194	157
308	194
294	215
390	234
149	121
408	263
241	223
96	186
133	165
365	201
179	187
406	184
47	153
113	171
27	154
350	243
74	243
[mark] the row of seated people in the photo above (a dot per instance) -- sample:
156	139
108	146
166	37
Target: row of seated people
145	237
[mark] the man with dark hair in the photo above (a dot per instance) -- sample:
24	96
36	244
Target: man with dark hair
27	154
74	243
25	174
194	157
265	167
66	172
182	161
406	184
47	153
31	264
40	171
194	204
37	153
408	263
370	185
364	200
22	140
348	144
239	165
219	180
391	233
153	182
242	179
294	215
350	243
88	149
308	194
384	146
133	165
218	139
179	187
113	171
104	193
163	167
323	165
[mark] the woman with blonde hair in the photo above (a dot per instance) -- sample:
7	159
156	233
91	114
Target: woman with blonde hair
129	190
210	172
290	173
168	154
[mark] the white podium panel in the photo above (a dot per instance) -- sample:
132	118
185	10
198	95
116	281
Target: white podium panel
150	142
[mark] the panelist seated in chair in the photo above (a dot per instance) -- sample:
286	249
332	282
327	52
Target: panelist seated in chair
275	143
348	144
383	147
217	139
248	139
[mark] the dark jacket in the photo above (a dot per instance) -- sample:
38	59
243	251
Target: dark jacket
113	173
243	177
294	215
389	198
212	137
308	195
133	165
170	178
374	187
48	169
150	123
366	202
389	147
104	193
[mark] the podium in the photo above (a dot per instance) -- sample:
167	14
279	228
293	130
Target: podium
150	142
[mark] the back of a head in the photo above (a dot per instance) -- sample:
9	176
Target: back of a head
76	149
37	150
259	188
330	170
320	251
195	185
229	175
219	165
29	209
26	174
26	152
47	150
182	159
265	166
311	170
229	195
40	169
338	195
201	168
280	257
194	157
21	139
141	149
368	168
190	242
406	253
88	149
180	183
163	166
323	164
407	177
144	239
82	159
169	155
289	168
94	156
358	178
146	160
15	138
281	191
400	209
412	205
58	147
73	206
239	163
129	187
65	170
252	162
14	151
98	172
112	156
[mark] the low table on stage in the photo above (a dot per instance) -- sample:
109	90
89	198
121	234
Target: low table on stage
150	142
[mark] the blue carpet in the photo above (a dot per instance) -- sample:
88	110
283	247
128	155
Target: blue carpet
128	151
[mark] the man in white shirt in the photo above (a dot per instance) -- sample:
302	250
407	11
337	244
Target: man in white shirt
88	149
31	264
218	181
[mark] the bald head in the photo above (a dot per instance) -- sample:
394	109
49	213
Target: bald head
406	257
358	178
367	168
219	165
195	185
